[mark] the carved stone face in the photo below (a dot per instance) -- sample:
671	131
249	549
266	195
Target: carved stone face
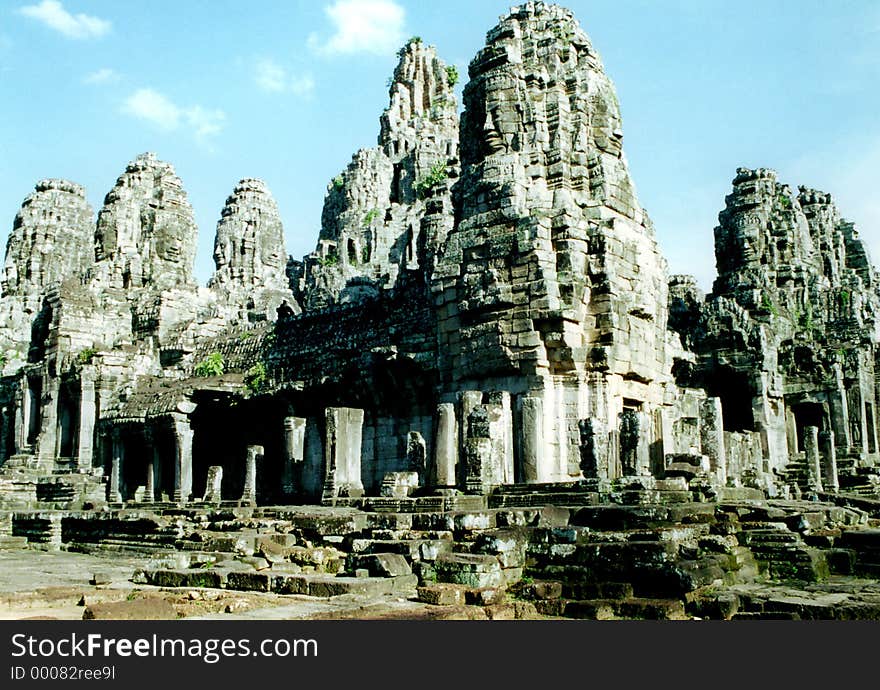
169	242
270	250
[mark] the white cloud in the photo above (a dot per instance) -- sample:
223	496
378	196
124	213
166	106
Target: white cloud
105	75
153	107
303	85
79	26
205	123
272	77
362	26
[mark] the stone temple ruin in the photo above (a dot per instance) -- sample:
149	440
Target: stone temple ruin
486	326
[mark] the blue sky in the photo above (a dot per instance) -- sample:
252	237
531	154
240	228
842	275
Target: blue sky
288	90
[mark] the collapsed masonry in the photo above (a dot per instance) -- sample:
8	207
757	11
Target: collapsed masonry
486	306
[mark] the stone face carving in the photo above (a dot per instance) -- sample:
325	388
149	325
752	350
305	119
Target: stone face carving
462	325
249	253
371	225
782	338
51	239
146	234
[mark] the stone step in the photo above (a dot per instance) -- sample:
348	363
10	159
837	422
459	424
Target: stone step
610	609
12	543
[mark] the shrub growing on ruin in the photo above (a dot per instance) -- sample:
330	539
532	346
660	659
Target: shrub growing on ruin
436	175
256	378
211	365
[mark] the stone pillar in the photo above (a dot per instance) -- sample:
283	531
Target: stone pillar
214	484
593	448
183	436
47	442
117	457
87	408
150	484
294	451
445	446
811	451
5	450
249	495
342	452
643	450
791	433
839	410
481	467
502	434
533	441
22	414
629	442
468	400
829	461
416	453
712	437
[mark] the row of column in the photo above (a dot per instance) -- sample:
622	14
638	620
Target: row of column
183	436
40	408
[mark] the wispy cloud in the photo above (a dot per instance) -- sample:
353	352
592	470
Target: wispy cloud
78	26
105	75
161	112
205	122
270	76
273	78
362	26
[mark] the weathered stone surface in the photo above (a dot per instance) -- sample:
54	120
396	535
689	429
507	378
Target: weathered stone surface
479	339
146	233
51	239
151	609
372	223
249	255
383	564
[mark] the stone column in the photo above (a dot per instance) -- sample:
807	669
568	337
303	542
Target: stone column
791	432
117	457
5	451
87	408
629	442
342	452
712	437
593	448
214	484
811	451
294	446
183	435
249	495
533	441
47	442
446	446
502	435
829	461
22	414
480	462
468	400
150	485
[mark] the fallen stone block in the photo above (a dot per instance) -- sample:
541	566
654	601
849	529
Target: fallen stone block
250	581
382	564
442	594
186	578
500	612
135	610
474	570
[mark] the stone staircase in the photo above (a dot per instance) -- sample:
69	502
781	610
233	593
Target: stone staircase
782	554
645	560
